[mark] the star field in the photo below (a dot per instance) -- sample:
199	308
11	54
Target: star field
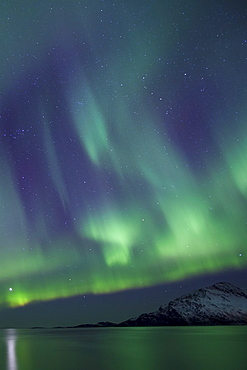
123	146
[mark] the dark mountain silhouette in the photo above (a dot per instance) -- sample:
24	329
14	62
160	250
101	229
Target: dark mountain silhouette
219	304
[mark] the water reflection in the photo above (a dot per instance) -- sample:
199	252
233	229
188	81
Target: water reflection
187	348
11	337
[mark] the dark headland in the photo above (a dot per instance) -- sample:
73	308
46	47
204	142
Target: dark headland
219	304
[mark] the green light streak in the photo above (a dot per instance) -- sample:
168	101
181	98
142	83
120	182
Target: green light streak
173	229
148	216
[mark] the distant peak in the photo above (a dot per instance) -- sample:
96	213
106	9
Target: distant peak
222	284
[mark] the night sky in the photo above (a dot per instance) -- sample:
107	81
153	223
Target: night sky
123	155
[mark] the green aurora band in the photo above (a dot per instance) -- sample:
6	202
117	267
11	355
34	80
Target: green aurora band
172	228
139	212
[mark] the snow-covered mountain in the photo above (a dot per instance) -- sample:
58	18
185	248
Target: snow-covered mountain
219	304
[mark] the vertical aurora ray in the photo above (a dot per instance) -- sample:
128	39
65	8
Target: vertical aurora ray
118	168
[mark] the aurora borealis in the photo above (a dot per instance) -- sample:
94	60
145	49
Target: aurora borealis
123	145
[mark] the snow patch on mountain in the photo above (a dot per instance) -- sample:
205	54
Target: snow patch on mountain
219	304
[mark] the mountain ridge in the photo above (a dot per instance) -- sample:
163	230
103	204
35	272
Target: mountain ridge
219	304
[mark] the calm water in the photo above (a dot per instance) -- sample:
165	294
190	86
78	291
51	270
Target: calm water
173	348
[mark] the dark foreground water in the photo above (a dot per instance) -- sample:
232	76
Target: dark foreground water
173	348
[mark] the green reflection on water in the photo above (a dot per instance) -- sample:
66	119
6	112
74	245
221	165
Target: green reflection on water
124	348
